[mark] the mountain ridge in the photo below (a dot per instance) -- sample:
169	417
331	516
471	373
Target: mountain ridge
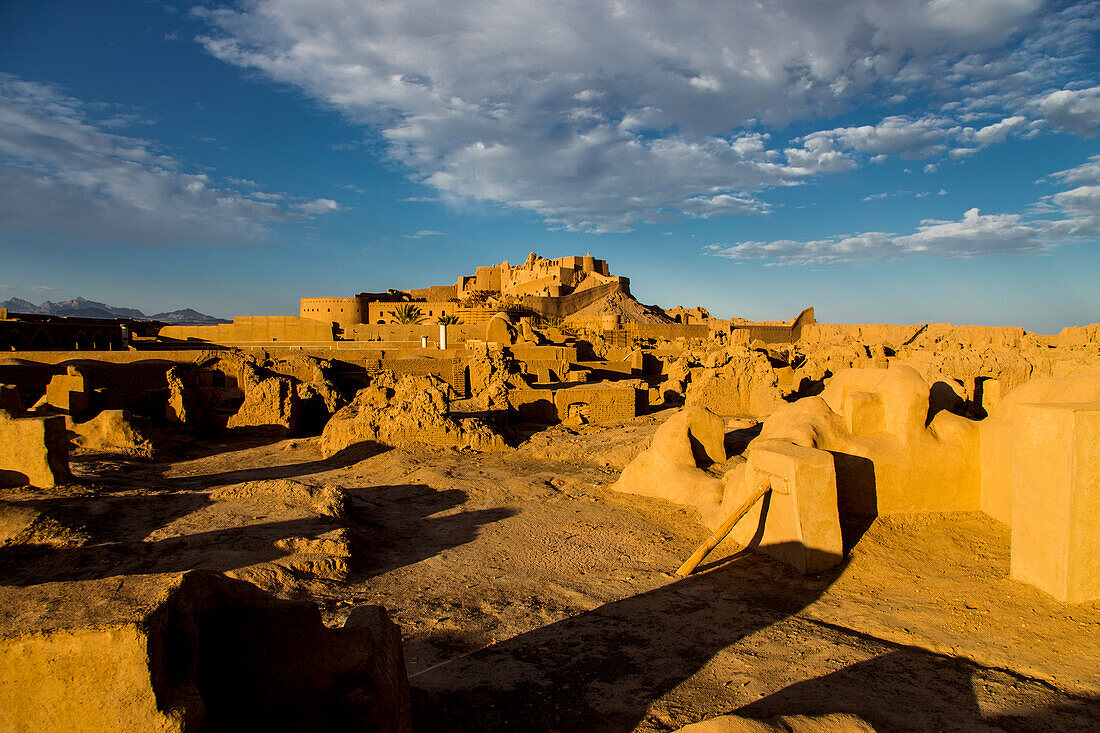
84	308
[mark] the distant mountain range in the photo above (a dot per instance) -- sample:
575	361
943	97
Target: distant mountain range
82	308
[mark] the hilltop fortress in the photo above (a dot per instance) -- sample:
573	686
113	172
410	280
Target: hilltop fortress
557	287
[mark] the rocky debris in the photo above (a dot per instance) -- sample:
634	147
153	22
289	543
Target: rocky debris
114	431
414	411
321	510
326	556
329	501
190	651
833	723
33	451
21	524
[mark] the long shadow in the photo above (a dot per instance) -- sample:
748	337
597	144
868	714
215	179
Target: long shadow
344	458
912	689
599	671
219	550
396	527
389	526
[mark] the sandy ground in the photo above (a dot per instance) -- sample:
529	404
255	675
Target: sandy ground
533	598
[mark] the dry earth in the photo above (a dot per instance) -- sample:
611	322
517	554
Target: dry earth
533	598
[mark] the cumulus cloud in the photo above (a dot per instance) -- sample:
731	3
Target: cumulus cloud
1069	214
598	115
1076	111
896	135
61	166
998	131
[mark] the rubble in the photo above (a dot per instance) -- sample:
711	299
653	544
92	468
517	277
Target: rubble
415	411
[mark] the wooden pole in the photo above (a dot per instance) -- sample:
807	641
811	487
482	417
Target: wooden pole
725	529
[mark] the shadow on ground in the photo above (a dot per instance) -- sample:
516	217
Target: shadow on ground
908	688
601	670
405	523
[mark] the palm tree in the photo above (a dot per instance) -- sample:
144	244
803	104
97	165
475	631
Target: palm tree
407	313
451	320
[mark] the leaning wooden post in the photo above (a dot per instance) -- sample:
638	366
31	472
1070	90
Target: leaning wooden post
721	532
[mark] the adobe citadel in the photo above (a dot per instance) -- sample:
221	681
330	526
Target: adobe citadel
526	500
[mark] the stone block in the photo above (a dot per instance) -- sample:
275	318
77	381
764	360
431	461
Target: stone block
69	392
798	522
1056	500
33	450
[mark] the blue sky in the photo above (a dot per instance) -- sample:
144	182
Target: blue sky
884	161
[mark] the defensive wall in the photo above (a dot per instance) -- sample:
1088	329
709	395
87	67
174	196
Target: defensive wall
254	330
345	312
567	305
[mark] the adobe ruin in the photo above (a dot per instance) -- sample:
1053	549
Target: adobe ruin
516	500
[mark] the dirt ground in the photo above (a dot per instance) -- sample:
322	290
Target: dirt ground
533	598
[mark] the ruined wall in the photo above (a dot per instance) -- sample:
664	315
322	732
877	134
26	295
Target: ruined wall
33	450
669	331
919	335
600	403
588	403
434	293
450	370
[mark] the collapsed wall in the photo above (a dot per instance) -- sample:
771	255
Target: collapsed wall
410	411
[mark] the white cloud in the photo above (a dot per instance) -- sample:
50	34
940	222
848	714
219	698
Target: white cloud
319	206
1076	111
1088	172
998	131
61	167
896	135
600	114
1070	214
425	233
975	234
